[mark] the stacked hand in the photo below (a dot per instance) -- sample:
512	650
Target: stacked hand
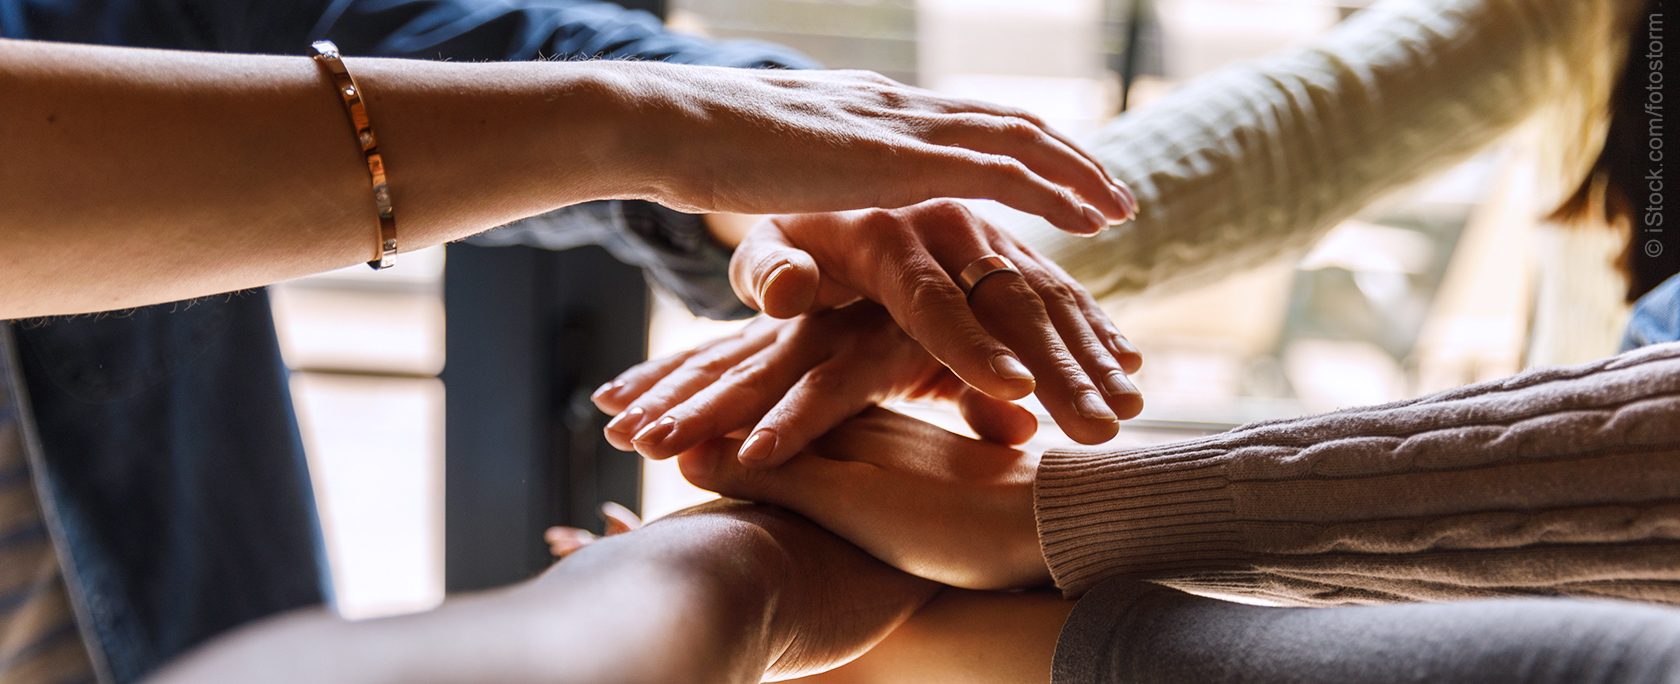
757	141
937	505
789	381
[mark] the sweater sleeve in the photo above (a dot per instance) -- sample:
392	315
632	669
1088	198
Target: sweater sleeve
1561	481
1259	159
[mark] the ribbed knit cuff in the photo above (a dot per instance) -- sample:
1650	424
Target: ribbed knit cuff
1134	513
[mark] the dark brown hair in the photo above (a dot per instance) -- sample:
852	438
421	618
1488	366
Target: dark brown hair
1619	191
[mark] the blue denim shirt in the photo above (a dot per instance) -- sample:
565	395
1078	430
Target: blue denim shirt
170	449
1656	316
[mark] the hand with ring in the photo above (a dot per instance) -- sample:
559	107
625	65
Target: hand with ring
1003	319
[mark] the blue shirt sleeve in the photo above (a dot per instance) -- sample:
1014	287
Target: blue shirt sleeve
673	249
528	29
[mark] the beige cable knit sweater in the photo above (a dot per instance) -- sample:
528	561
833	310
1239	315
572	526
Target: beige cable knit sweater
1562	481
1259	159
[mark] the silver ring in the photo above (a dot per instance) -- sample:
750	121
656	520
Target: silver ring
981	268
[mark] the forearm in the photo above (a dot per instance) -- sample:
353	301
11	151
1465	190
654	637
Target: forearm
973	637
686	599
1561	480
138	176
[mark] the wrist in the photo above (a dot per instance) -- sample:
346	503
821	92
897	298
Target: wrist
718	572
525	138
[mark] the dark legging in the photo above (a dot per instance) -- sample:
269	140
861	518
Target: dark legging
1137	632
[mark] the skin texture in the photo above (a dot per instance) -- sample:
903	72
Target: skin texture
966	637
797	378
948	508
207	173
726	592
1075	359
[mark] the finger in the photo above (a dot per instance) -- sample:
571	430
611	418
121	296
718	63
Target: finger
564	541
697	370
821	400
978	175
929	306
619	519
995	420
969	105
1131	358
773	276
1012	311
1061	303
804	484
616	395
1043	153
741	395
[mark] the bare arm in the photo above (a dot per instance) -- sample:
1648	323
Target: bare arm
134	176
972	637
727	592
138	176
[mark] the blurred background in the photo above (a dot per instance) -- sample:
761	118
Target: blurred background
1430	288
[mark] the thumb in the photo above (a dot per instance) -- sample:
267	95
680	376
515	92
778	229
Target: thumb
773	276
996	420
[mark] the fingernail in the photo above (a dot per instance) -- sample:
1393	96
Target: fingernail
1125	192
1094	217
1118	384
764	290
614	509
627	421
555	534
758	447
1091	405
657	432
608	388
1010	368
1120	199
1123	345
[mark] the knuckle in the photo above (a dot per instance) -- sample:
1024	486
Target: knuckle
825	380
750	377
945	209
1018	129
928	293
1011	169
710	365
1057	293
1023	115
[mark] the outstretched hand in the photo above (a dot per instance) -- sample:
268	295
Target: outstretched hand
758	141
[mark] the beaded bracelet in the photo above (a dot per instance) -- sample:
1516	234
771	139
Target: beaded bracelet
326	54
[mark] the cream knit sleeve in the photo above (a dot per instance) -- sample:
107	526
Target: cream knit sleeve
1260	158
1560	481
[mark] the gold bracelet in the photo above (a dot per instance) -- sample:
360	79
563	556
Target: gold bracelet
326	54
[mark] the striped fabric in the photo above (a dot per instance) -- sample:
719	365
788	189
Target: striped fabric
39	641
